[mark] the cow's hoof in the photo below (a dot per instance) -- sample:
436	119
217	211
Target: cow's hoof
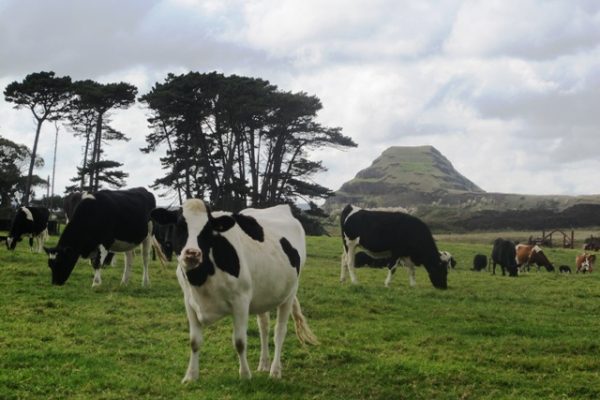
245	374
263	366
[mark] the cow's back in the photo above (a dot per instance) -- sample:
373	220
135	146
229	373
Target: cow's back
271	264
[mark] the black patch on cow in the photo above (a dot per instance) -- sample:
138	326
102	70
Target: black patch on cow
197	276
250	226
225	256
223	223
291	253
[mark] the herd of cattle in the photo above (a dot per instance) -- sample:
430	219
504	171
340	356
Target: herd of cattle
245	263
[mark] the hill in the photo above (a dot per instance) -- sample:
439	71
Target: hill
422	180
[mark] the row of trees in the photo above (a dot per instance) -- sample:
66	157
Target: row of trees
236	141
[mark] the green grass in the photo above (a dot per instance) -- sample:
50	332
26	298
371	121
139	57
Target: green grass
486	337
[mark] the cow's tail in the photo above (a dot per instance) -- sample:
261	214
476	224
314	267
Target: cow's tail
305	335
158	249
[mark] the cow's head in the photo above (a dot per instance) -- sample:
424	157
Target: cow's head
61	261
538	257
195	232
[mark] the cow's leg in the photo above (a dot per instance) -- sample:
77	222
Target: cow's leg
240	328
391	271
146	247
412	281
127	268
283	314
196	341
31	244
350	261
344	265
263	329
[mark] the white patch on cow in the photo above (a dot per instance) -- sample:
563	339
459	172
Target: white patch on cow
87	195
9	241
27	213
52	256
536	249
196	217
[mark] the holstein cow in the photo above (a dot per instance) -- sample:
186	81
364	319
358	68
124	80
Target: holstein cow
504	253
585	262
480	262
448	260
238	264
528	254
32	221
118	220
393	235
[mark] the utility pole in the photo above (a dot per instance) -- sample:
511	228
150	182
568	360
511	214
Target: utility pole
54	162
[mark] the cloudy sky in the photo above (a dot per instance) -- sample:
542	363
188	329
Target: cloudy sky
508	91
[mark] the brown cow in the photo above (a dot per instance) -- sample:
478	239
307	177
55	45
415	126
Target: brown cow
585	262
528	254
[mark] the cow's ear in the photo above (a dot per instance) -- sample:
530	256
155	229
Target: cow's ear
164	216
223	223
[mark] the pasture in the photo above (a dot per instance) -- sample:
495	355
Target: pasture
486	337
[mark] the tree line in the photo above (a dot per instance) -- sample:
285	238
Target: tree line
235	141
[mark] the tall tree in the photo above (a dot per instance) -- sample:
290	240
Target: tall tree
90	118
14	159
47	97
238	140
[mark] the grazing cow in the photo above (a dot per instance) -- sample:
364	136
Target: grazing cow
393	235
447	260
564	269
504	253
238	264
585	262
118	220
32	221
480	262
527	254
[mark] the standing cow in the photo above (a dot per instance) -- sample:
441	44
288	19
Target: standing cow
504	253
238	264
527	254
395	235
118	220
32	221
585	262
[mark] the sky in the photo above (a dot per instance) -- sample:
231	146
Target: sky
507	90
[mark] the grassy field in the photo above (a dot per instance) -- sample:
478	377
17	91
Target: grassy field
486	337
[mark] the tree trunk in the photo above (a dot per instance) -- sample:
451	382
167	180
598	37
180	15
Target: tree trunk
25	200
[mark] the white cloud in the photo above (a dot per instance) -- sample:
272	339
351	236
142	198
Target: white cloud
506	90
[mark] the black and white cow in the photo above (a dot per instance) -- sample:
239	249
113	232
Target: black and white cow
118	220
32	221
238	264
504	253
448	260
395	235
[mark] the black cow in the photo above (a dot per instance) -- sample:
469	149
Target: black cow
32	221
504	253
164	237
118	220
480	262
398	236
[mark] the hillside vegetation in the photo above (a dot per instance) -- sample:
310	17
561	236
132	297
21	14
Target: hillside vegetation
486	337
422	180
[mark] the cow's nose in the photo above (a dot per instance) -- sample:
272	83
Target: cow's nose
192	256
